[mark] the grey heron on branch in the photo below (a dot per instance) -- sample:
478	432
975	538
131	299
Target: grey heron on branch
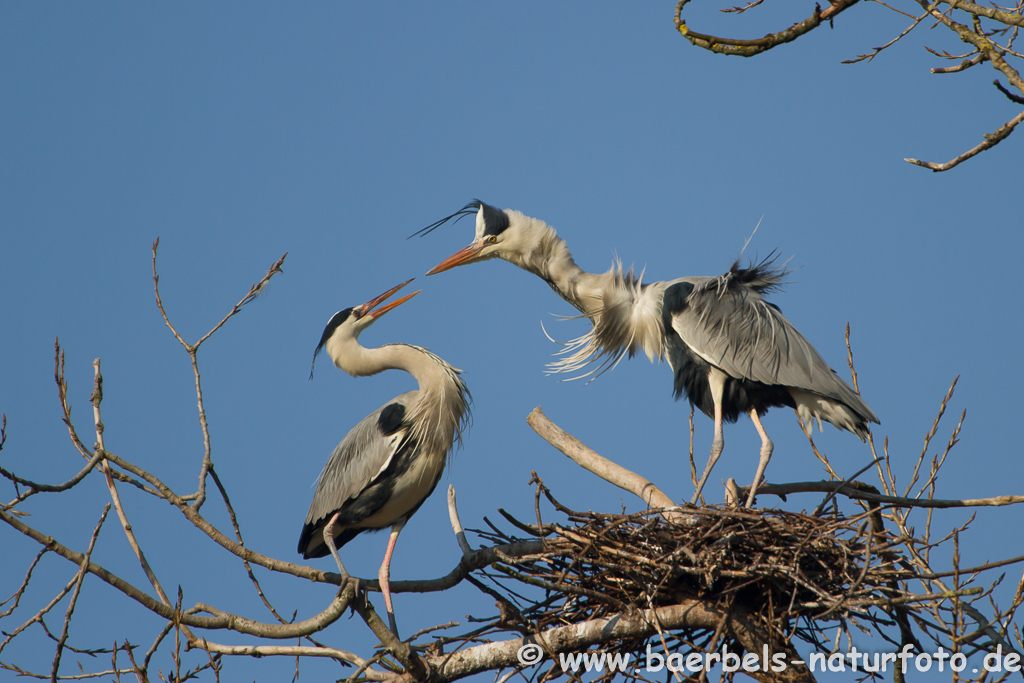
383	470
730	350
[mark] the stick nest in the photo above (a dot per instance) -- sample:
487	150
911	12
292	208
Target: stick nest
792	572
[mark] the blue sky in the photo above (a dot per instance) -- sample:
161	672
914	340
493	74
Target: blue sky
237	132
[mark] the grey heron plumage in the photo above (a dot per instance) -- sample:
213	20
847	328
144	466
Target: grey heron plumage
730	350
391	461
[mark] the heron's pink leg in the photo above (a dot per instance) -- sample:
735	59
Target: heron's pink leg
766	455
329	530
384	575
717	381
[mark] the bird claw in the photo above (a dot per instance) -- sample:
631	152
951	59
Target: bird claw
344	583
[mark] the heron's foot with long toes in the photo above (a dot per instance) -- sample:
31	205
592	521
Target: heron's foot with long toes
356	585
766	454
717	445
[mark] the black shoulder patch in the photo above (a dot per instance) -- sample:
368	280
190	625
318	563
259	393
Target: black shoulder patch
334	323
391	418
495	220
674	302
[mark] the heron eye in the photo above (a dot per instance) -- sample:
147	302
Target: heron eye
492	239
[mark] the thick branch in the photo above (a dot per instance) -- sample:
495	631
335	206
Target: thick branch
576	637
855	490
413	663
477	559
453	517
49	488
980	11
225	620
290	651
749	48
606	469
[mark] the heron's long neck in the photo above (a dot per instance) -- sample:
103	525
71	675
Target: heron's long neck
625	313
442	406
550	260
359	361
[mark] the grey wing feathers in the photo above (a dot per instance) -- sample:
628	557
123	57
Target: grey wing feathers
738	331
355	463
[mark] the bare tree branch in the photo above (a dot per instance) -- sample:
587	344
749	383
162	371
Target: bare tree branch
602	467
79	578
859	491
749	48
193	349
16	596
577	637
97	398
35	488
221	620
991	140
982	39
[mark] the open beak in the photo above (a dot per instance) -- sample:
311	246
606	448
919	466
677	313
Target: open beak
459	258
367	308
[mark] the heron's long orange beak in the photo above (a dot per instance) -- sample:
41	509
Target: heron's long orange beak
394	304
459	258
366	309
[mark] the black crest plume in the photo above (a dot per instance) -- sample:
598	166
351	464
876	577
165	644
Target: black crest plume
468	210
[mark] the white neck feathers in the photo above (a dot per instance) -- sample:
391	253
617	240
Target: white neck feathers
625	313
440	410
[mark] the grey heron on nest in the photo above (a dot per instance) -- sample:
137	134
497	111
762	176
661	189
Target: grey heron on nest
387	466
730	351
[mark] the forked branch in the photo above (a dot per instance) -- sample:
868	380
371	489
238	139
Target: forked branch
615	474
193	349
980	27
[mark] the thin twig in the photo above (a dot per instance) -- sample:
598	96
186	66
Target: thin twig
16	596
238	537
79	578
192	349
96	399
